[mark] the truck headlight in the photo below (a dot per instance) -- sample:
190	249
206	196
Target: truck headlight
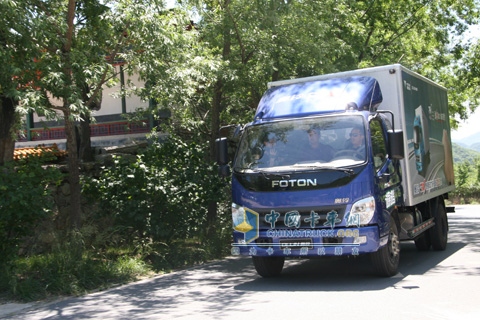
364	210
237	214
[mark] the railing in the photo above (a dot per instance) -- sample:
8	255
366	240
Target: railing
116	128
96	130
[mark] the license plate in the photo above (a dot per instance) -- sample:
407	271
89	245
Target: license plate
296	243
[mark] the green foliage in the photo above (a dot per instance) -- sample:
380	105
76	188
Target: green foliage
164	194
467	181
261	41
461	154
225	60
69	269
467	175
26	200
463	171
16	52
75	267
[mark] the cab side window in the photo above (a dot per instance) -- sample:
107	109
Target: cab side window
379	148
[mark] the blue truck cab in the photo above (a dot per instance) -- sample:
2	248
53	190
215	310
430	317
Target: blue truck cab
321	171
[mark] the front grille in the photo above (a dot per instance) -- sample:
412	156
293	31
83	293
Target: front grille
305	213
332	240
264	242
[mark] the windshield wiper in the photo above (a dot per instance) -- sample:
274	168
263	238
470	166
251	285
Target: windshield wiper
266	173
321	167
278	175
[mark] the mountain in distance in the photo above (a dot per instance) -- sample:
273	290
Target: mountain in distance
463	145
469	141
475	146
461	154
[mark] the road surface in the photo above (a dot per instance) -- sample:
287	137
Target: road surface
430	285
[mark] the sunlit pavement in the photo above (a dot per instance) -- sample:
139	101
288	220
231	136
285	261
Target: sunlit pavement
430	285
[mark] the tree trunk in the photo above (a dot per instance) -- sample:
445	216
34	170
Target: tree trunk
7	125
73	163
85	146
215	114
216	106
85	149
74	172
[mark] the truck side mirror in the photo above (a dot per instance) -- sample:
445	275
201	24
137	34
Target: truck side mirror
395	143
232	132
222	157
224	171
222	151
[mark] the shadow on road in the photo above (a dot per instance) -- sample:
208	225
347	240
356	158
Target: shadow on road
225	285
345	274
356	274
210	285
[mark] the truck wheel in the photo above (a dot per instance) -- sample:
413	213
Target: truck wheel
422	242
385	261
439	232
268	266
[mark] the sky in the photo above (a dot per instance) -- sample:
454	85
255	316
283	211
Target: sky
467	128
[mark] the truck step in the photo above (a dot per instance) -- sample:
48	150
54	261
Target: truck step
450	209
415	231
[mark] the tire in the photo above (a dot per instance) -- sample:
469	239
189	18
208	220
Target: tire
386	260
439	232
268	266
422	242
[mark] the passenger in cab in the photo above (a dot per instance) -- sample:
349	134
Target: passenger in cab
317	151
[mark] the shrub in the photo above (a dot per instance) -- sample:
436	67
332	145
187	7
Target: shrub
164	194
26	199
70	269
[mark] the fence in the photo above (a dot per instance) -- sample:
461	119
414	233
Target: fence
96	130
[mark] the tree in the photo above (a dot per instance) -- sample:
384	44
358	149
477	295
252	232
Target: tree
180	79
7	115
74	44
276	39
85	145
71	40
215	72
476	165
16	58
462	79
269	40
464	170
425	36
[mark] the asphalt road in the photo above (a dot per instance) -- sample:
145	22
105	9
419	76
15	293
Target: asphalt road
430	285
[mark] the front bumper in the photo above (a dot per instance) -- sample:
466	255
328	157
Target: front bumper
310	242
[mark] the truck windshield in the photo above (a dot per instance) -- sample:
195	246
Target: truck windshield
327	142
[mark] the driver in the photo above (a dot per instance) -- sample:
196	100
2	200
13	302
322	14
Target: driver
270	150
357	140
317	150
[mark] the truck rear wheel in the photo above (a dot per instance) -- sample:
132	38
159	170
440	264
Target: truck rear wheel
422	242
268	266
439	232
386	260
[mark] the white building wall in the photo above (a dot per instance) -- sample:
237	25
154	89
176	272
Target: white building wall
112	105
111	100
